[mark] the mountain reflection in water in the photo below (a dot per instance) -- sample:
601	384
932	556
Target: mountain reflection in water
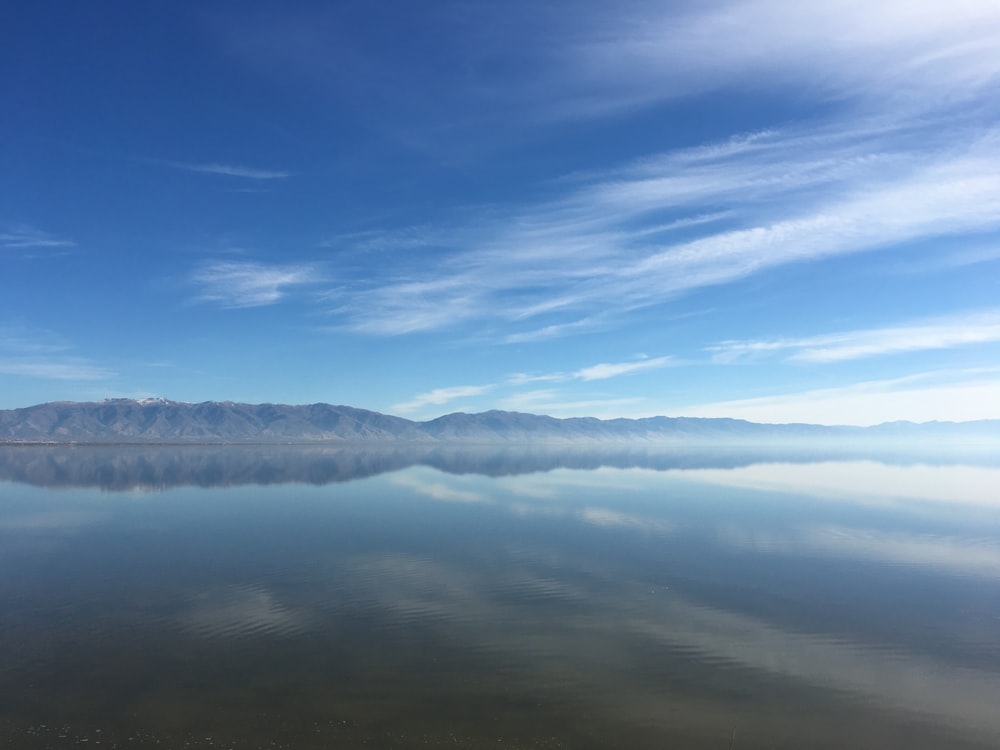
260	598
137	467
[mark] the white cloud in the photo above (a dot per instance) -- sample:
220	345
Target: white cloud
547	401
556	404
555	331
900	161
939	333
249	284
601	371
440	396
23	236
38	353
62	369
522	378
22	340
230	170
916	53
611	370
919	398
603	247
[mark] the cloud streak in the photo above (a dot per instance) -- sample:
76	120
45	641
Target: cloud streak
901	158
230	170
942	396
619	242
915	54
440	396
33	353
538	399
613	370
236	284
941	333
24	237
64	369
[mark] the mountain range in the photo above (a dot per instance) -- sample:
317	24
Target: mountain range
164	421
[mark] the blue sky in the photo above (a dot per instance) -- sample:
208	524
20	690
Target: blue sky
762	209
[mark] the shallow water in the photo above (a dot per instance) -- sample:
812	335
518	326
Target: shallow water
333	598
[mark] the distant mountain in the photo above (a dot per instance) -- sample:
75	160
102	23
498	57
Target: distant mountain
163	421
160	420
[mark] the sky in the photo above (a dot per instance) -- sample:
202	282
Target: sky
775	211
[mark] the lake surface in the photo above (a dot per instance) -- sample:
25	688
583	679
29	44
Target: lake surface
227	597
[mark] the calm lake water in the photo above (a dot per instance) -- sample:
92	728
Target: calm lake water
328	598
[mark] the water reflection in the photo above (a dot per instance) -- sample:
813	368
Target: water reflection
663	603
149	467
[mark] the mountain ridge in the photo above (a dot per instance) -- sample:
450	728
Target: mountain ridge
158	420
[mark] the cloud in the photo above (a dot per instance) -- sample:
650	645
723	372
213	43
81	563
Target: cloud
612	370
919	54
554	403
593	372
556	330
64	369
939	333
941	396
23	236
249	284
38	353
618	241
548	401
545	64
440	396
897	160
230	170
522	378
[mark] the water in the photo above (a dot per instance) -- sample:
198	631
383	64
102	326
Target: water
224	597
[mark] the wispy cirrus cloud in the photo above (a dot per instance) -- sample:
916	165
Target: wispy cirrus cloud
924	397
440	396
900	158
70	368
939	333
557	330
557	404
36	353
617	242
231	170
614	369
549	400
248	283
590	60
918	54
601	371
22	237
